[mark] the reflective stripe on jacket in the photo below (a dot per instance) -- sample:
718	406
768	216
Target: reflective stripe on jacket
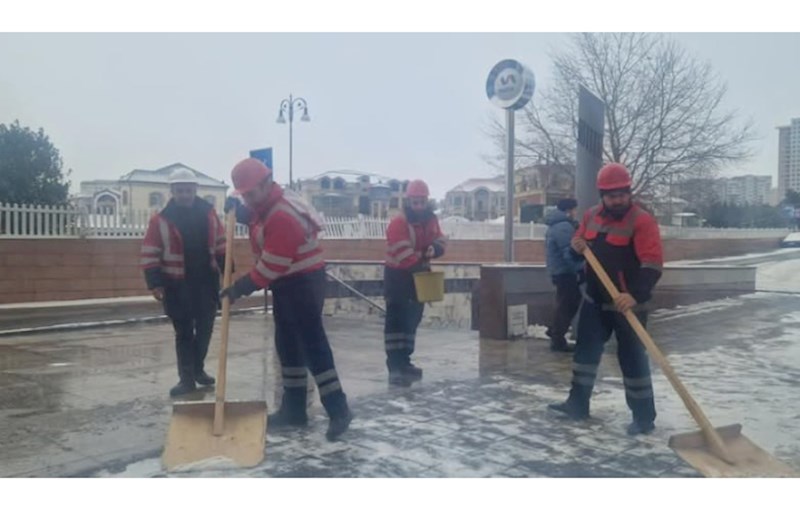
283	235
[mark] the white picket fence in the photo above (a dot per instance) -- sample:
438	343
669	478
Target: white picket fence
33	221
24	221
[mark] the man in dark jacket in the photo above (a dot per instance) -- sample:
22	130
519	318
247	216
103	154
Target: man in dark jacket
564	270
182	253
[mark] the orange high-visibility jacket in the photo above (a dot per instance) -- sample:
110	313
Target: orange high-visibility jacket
406	243
283	236
629	249
162	248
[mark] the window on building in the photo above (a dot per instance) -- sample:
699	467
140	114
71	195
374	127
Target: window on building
338	183
124	197
405	186
156	199
394	185
325	183
457	201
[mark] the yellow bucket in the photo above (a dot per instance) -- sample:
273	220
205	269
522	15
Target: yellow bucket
430	286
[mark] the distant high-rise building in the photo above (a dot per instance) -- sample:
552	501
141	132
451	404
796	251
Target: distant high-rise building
745	189
789	157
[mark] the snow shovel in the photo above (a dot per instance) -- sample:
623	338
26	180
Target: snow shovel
220	430
714	452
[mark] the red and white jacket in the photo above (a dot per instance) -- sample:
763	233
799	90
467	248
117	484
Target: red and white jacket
629	248
162	247
406	243
283	236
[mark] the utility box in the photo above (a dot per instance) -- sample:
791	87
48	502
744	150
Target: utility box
506	286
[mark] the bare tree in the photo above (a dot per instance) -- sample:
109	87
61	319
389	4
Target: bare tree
664	112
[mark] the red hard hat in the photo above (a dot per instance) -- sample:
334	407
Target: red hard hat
417	188
248	174
613	176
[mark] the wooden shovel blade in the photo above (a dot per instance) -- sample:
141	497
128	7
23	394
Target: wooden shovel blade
750	460
191	439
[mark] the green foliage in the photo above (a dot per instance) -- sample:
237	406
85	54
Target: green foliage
792	198
31	168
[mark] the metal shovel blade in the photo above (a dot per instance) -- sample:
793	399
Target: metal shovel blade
191	438
749	460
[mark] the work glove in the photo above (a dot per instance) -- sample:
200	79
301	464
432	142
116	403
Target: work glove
232	203
242	287
242	211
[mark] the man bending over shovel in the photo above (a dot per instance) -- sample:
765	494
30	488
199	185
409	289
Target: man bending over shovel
283	236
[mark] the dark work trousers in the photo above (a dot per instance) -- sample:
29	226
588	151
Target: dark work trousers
595	325
400	331
301	343
191	308
568	300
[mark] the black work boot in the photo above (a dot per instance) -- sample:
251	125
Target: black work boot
186	366
336	406
284	418
398	378
414	372
570	409
338	425
640	427
203	378
182	388
292	412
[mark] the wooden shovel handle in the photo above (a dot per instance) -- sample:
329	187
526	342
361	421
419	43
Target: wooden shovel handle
711	435
219	404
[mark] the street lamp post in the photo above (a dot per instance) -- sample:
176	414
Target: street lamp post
288	107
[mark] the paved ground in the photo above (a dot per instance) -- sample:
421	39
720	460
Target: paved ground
93	402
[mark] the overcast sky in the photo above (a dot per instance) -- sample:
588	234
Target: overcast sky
401	105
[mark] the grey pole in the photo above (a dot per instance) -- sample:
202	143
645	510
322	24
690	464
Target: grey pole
509	224
286	110
291	119
510	85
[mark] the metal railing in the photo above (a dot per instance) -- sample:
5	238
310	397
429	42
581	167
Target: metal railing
34	221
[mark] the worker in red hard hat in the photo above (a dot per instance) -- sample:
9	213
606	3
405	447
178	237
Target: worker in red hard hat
627	242
413	238
283	236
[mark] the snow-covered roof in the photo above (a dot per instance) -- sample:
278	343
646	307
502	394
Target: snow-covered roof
160	176
493	184
354	176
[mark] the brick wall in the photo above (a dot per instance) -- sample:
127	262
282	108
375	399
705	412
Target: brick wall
63	269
